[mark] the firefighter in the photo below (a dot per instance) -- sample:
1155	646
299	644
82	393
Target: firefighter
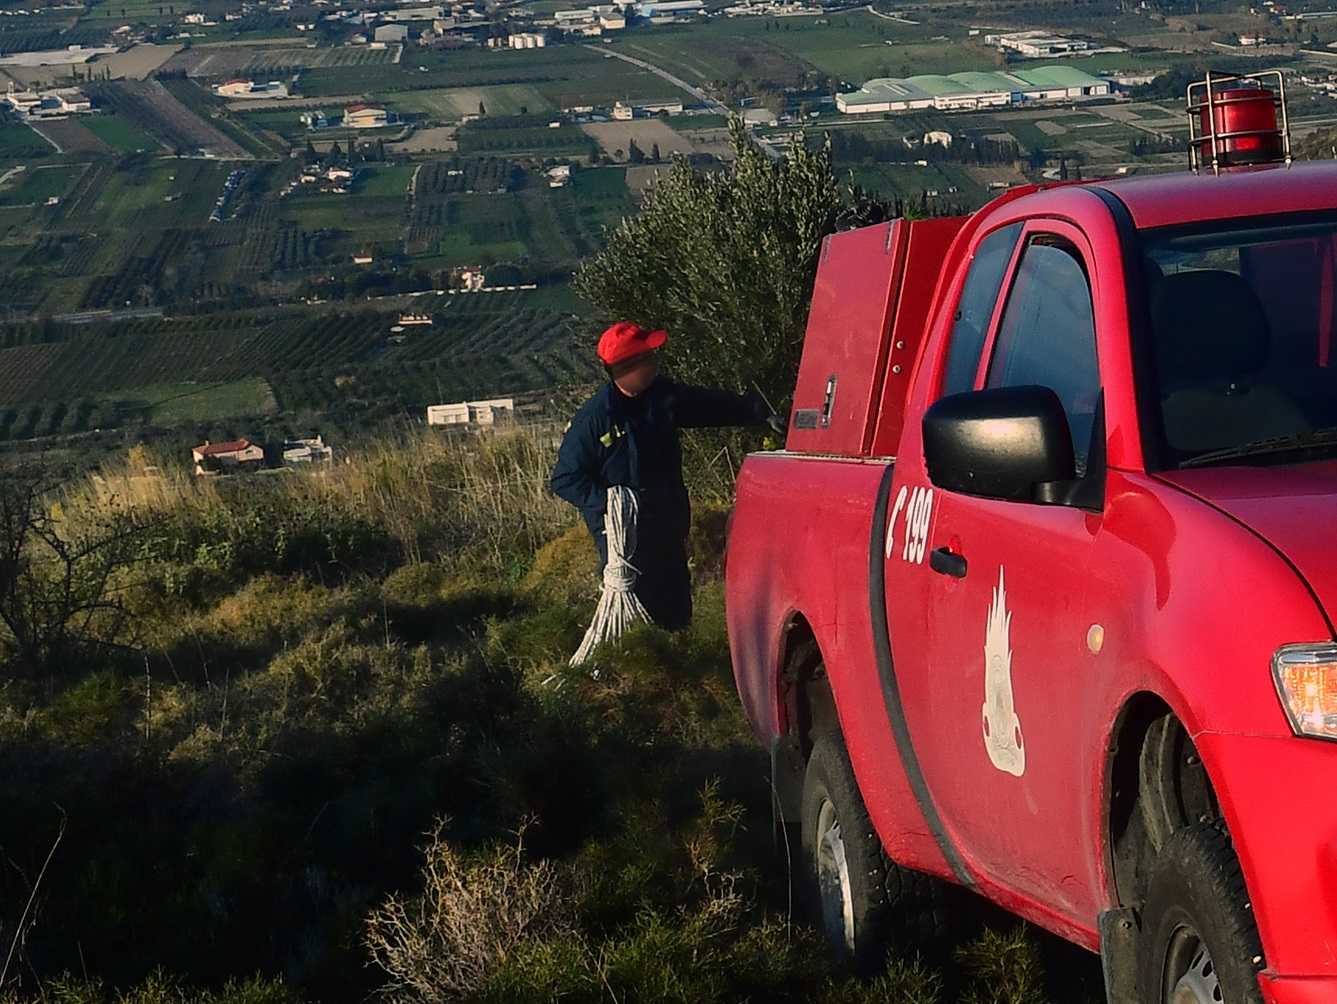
627	434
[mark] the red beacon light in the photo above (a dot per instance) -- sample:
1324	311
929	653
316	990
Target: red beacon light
1238	120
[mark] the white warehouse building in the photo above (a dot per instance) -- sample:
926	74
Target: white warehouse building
969	91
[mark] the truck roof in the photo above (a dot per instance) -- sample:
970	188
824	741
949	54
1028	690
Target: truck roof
1167	199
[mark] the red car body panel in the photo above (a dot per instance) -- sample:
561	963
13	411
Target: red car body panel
1181	586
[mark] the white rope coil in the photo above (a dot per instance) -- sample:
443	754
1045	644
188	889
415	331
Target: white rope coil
619	608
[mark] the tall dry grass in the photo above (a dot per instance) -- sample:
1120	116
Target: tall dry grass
483	494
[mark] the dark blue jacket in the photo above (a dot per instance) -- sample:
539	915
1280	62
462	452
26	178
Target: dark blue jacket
633	441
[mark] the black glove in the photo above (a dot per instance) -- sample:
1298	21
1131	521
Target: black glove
778	424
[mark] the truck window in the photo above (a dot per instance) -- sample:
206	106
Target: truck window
1243	318
975	308
1047	335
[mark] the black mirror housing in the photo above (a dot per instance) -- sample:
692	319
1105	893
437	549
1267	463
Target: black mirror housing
1002	443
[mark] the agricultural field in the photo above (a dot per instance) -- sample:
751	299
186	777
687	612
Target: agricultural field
72	136
171	200
119	134
35	186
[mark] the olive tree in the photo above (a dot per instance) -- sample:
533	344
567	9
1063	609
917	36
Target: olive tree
725	261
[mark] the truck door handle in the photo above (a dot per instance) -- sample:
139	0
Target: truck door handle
945	562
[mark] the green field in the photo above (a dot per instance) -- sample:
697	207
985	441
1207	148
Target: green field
452	104
111	129
37	184
851	46
385	181
19	142
197	402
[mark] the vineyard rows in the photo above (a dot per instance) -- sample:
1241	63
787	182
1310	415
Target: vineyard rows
473	174
480	345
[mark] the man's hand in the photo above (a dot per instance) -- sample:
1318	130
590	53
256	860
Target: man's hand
778	424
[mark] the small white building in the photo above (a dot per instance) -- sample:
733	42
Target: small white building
391	33
472	412
307	451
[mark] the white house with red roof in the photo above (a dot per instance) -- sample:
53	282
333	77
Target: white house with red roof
211	457
365	116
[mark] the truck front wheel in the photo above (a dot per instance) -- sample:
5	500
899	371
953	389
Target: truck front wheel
1199	941
862	900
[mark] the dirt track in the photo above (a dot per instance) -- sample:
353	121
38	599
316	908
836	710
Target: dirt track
165	115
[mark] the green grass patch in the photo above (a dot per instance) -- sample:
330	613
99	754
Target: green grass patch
600	182
37	184
115	131
198	402
452	104
18	141
385	180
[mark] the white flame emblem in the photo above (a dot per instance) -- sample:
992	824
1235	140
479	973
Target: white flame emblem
1002	727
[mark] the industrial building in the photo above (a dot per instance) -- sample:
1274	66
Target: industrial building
528	40
974	90
47	104
240	87
1038	44
391	33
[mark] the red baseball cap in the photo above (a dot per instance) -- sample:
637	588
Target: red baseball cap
625	340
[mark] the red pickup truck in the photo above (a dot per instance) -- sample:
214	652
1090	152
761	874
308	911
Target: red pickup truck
1039	597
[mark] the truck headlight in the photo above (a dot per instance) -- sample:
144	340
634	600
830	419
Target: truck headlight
1306	679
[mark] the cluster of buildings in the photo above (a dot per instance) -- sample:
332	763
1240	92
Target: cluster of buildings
243	456
428	24
48	104
336	178
614	16
972	91
472	412
365	115
624	111
773	8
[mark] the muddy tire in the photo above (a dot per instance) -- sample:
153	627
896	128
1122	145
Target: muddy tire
862	901
1199	940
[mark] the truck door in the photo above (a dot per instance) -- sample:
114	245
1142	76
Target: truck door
990	697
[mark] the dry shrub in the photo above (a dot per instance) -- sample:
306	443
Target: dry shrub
486	493
471	916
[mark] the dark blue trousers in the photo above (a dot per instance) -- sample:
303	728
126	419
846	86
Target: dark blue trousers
664	585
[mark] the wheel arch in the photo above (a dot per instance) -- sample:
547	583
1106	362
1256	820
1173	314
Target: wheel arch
806	709
1155	784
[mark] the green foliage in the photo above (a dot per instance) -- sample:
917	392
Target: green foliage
58	577
1003	968
726	262
259	778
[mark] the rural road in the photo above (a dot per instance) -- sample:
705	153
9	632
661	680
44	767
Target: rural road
696	92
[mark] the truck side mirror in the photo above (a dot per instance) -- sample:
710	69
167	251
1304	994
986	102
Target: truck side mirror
1005	443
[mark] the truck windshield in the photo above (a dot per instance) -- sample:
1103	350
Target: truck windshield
1243	320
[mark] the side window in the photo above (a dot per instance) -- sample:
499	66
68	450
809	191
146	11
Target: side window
1047	335
975	308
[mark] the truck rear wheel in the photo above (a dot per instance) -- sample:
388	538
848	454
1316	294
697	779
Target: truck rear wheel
1199	941
862	900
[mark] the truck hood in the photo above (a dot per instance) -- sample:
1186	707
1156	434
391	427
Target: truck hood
1293	508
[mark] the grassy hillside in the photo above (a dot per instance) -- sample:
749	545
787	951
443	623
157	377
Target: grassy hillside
314	738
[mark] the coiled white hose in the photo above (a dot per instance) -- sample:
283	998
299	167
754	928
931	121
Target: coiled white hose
619	608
